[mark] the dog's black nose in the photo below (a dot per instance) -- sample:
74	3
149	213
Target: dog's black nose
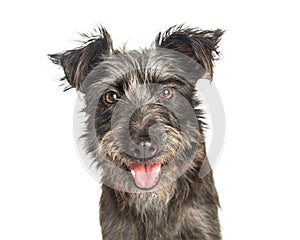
143	148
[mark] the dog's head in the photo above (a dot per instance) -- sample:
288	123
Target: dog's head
143	126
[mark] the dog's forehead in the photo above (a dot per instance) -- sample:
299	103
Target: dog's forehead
130	69
141	67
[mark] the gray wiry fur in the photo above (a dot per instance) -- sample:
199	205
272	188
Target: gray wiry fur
182	205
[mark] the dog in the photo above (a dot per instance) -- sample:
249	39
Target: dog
146	134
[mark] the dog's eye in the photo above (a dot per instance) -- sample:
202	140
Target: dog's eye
166	92
112	97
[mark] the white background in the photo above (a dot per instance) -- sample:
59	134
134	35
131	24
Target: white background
45	192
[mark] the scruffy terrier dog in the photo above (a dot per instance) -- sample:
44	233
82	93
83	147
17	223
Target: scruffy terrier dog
144	131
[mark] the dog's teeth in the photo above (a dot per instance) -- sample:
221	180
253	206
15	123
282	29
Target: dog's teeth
133	173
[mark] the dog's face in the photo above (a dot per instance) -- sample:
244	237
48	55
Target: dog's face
143	128
144	118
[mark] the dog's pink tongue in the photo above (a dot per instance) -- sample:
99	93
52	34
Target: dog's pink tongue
146	175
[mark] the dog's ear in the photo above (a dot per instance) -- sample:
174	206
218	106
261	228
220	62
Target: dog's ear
77	63
200	45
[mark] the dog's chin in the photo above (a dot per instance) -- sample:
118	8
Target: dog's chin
145	175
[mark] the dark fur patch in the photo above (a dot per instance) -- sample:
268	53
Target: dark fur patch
77	63
200	45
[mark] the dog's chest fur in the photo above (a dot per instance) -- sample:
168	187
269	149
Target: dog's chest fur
194	217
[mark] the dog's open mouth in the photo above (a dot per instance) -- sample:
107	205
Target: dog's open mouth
145	176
